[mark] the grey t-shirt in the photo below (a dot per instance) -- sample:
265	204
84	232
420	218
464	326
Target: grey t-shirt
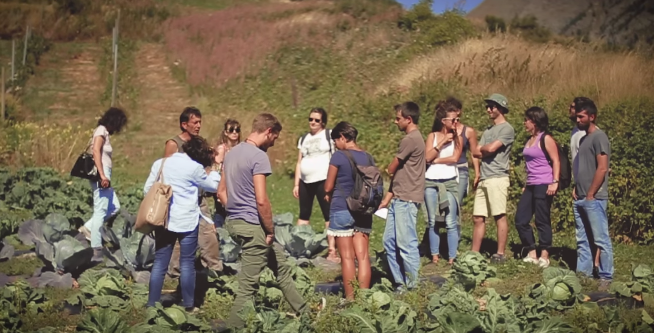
409	180
497	165
593	144
240	165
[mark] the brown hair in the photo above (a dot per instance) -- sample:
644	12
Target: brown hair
264	121
229	123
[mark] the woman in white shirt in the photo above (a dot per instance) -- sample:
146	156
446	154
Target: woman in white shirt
442	151
105	201
185	173
316	150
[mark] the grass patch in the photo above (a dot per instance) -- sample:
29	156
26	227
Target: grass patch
23	265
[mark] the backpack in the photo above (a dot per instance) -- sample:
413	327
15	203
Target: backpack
368	190
565	176
328	133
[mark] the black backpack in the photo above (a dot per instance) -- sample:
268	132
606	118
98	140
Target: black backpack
328	133
368	190
565	177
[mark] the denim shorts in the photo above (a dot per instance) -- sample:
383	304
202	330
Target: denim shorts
343	224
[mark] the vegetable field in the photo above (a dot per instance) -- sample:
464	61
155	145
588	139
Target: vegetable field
56	290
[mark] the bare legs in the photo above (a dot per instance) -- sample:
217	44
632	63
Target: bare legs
480	229
351	248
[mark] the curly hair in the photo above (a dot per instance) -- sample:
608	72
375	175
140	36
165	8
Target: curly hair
113	120
199	150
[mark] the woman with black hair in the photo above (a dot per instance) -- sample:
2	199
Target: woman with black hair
443	148
541	186
105	201
316	150
352	230
186	174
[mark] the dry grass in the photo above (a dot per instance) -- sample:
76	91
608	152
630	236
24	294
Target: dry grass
520	69
29	144
220	46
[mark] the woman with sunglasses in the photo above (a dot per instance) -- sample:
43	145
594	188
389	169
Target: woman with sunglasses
315	151
442	151
469	139
230	137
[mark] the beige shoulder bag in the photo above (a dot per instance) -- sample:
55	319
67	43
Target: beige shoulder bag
153	212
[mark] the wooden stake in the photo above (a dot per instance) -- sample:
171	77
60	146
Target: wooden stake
113	89
27	37
13	60
2	95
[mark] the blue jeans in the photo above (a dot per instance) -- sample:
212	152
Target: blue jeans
400	236
464	183
431	202
592	224
164	242
105	205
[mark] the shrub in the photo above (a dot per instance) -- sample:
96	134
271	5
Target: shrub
435	30
495	24
529	28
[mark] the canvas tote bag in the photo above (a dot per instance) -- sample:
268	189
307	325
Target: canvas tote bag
153	212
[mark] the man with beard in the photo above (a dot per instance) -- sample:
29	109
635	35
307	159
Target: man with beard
190	122
249	217
590	169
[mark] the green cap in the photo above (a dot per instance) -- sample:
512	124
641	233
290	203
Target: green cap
499	99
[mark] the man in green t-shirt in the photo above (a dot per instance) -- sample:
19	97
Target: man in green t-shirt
492	191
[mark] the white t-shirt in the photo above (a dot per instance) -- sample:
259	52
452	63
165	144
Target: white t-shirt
106	148
316	153
443	171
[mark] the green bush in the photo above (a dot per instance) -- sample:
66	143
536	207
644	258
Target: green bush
435	30
495	24
364	9
529	28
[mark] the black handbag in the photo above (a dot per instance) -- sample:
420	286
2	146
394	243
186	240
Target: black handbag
85	167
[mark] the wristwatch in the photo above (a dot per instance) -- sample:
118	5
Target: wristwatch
555	181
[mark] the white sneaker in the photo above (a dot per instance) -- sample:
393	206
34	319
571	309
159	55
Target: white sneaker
543	263
530	260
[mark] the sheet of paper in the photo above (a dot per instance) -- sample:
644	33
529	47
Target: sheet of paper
382	213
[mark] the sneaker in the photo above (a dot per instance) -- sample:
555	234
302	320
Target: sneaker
193	311
543	263
604	285
86	232
531	260
98	256
498	258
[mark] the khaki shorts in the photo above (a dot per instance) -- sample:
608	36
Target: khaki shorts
490	198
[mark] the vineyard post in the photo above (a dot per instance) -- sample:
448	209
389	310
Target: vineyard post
113	89
27	37
2	94
13	60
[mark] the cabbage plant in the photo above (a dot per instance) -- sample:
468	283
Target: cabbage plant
299	241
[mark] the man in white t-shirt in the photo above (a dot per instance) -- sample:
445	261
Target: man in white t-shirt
315	151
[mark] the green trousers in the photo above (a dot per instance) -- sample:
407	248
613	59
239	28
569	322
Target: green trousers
255	256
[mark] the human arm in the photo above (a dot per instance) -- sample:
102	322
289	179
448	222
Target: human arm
505	137
296	186
431	152
471	134
220	154
98	142
207	182
600	173
171	148
458	148
553	152
330	182
222	191
263	205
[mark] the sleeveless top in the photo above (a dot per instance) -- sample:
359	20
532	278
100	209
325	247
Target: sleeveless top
442	171
202	201
466	146
539	171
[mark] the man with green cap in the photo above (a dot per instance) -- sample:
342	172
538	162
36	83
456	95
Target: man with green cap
492	190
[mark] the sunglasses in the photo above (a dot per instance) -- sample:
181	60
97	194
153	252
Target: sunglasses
315	120
490	106
454	120
234	130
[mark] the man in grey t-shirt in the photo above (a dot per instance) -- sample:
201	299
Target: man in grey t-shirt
591	196
491	194
403	199
249	217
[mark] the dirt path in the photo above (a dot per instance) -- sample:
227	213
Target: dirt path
68	86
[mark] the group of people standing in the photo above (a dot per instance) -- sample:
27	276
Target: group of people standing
434	171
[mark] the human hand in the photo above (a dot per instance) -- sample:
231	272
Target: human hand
384	204
475	183
590	197
104	181
574	193
328	198
552	188
296	191
270	238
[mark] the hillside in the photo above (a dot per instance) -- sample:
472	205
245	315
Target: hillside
624	22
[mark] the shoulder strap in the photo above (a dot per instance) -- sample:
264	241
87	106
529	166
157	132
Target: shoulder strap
328	136
160	174
302	138
543	148
353	163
